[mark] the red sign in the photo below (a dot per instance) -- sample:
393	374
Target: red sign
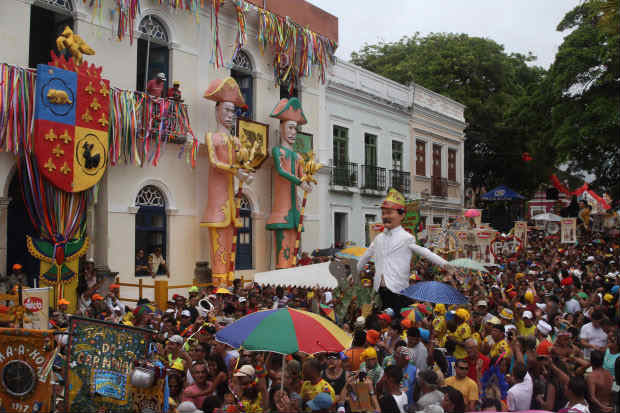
33	304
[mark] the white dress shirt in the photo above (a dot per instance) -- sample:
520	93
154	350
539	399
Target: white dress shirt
520	395
393	249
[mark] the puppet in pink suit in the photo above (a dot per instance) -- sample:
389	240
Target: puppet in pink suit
221	212
288	174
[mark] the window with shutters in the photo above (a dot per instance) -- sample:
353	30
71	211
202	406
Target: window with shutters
397	155
243	259
153	53
420	160
452	164
241	71
150	221
341	145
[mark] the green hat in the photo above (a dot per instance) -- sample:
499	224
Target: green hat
289	109
193	289
582	295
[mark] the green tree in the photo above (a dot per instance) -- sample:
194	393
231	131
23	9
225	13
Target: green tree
498	90
585	83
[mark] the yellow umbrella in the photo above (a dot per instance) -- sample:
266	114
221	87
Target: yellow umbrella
222	291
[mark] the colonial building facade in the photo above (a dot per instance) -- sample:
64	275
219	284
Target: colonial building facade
161	206
378	134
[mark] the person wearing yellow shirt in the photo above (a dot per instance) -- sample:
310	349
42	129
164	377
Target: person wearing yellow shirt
465	385
462	333
526	325
501	345
439	323
314	384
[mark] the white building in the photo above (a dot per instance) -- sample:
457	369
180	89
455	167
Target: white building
145	207
377	134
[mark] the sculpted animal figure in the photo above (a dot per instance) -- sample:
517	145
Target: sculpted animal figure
74	43
59	97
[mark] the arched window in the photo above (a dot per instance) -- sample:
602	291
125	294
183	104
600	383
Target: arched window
48	19
150	223
153	52
243	260
242	72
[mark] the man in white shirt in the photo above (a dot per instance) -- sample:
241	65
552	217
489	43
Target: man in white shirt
520	394
592	336
392	250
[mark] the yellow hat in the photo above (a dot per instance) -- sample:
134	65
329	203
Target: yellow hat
178	365
494	320
415	277
529	296
463	314
440	309
369	353
394	200
519	275
506	314
608	297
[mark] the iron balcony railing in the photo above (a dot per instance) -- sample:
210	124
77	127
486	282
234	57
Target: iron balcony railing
400	180
439	187
373	178
344	174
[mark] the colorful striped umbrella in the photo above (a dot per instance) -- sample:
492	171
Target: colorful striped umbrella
328	311
354	253
411	313
285	331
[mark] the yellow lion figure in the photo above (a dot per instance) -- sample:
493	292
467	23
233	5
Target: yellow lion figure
74	43
59	97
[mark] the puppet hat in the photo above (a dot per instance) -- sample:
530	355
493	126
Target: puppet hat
289	109
225	90
394	200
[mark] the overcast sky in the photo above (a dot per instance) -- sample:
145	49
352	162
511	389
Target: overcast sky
519	25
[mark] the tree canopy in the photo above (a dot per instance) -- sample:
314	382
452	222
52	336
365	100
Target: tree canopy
568	115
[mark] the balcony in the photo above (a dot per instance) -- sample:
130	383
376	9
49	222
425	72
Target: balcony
343	174
400	180
439	187
373	179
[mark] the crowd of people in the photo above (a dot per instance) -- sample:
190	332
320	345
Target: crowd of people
540	332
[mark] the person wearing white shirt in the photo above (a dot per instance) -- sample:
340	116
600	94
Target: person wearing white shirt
392	250
592	336
520	395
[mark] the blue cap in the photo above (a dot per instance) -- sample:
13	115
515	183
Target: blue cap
450	315
615	289
321	401
424	334
389	312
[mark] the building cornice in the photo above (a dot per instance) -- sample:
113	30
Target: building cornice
364	100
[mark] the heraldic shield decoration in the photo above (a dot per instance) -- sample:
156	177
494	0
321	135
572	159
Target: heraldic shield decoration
71	126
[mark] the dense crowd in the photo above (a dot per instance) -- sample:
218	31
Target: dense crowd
540	332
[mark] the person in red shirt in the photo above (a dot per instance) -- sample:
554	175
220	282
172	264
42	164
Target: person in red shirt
155	86
478	362
174	92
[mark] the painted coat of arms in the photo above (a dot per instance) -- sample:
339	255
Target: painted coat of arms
71	124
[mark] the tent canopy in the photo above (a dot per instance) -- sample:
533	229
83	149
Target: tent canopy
501	193
305	276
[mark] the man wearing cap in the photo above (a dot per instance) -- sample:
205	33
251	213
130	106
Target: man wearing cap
288	174
501	345
112	299
174	92
221	208
371	366
392	250
314	384
155	86
525	324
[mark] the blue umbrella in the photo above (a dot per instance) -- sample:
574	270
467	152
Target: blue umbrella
501	193
434	292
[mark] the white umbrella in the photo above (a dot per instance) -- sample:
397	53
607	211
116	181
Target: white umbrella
302	276
547	216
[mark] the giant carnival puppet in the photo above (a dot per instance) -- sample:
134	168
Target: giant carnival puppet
290	172
225	163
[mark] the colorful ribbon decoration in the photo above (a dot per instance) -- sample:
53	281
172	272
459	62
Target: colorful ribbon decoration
140	126
17	92
127	12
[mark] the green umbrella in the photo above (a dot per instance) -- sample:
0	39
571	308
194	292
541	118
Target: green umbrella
468	263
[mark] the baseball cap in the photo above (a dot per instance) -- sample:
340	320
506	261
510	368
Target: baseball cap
63	301
186	313
372	336
528	315
385	318
321	401
544	327
544	348
161	76
482	303
360	321
245	371
242	299
369	353
96	297
193	289
389	312
403	352
114	286
17	267
176	339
